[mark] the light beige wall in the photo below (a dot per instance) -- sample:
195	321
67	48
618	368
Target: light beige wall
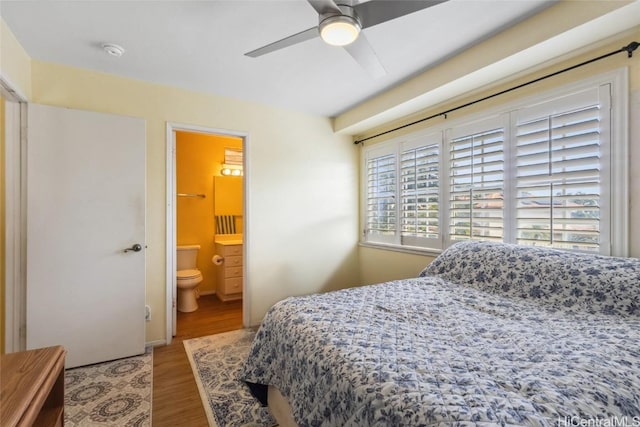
634	161
15	69
302	183
384	265
302	204
608	64
542	37
2	225
372	260
15	64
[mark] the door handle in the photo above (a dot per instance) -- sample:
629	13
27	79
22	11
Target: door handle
135	248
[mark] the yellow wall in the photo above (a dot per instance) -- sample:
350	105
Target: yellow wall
2	225
373	261
198	161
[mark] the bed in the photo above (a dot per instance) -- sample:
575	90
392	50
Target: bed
488	334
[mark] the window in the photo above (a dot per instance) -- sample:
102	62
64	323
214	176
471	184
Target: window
420	192
559	154
534	173
381	196
414	220
476	184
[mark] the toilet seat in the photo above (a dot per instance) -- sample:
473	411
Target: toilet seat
188	274
188	279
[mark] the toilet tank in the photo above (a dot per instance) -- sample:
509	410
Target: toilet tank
187	257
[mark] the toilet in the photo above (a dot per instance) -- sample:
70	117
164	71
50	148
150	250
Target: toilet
188	277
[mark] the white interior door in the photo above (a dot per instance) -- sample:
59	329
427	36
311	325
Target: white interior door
85	206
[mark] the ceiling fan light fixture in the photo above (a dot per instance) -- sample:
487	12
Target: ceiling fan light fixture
339	30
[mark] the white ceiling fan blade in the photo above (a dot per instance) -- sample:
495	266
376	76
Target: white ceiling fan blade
325	7
286	42
378	11
364	55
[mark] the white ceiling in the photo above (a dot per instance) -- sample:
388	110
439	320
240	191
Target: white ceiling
200	45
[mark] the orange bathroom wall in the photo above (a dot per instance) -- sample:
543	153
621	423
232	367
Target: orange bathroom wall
228	195
228	198
199	160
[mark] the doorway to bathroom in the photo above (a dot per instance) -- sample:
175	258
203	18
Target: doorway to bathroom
206	223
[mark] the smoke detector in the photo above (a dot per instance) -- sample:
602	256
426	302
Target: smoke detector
113	49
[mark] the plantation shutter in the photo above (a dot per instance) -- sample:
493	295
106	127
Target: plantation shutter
476	183
381	209
420	192
559	172
541	174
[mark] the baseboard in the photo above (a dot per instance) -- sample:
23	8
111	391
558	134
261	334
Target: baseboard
155	343
207	292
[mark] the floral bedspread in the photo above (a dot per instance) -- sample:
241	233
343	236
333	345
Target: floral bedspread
491	334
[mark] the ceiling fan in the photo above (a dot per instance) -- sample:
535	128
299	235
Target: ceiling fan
340	23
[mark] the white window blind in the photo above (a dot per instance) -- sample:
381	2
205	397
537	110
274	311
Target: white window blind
476	186
381	212
559	173
419	172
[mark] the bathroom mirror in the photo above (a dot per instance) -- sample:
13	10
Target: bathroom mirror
227	204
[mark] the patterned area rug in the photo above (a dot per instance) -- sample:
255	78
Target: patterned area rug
216	361
116	393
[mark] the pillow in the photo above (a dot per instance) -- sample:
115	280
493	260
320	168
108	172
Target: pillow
567	280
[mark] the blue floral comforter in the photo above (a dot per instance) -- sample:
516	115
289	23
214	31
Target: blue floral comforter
490	334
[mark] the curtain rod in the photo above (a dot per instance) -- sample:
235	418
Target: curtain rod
628	48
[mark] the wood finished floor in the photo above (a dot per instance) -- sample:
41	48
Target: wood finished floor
176	401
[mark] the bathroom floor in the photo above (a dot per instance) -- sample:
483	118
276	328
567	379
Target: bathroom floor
176	400
212	317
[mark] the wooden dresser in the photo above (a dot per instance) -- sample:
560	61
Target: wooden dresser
229	274
32	388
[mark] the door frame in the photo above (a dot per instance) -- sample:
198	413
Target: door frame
15	216
172	128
